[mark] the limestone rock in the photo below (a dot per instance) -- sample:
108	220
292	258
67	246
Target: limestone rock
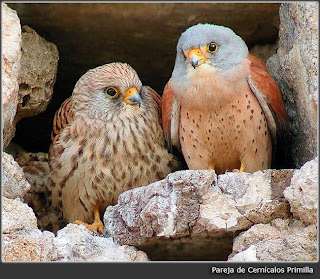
77	244
36	169
281	240
11	56
14	183
29	246
163	209
302	194
244	199
247	255
38	72
16	216
190	211
29	67
295	69
72	244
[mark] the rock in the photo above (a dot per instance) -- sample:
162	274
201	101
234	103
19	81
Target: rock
302	194
16	216
14	183
251	199
295	69
39	64
36	169
11	56
29	67
286	239
165	209
72	244
77	244
281	240
178	217
248	255
29	246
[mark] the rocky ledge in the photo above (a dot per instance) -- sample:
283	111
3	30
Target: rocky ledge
197	215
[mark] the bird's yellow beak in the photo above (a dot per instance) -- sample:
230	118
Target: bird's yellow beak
132	96
196	57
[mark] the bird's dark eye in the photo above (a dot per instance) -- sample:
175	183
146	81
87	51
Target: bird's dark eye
212	47
111	92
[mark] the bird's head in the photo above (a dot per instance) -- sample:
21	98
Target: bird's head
206	45
109	88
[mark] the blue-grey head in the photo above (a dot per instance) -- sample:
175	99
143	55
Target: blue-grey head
211	45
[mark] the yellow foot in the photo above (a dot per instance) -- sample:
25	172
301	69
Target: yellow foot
242	169
97	226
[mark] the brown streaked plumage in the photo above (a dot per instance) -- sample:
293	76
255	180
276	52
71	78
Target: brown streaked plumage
106	138
220	106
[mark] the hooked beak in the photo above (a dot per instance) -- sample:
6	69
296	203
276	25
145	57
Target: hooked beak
196	57
132	97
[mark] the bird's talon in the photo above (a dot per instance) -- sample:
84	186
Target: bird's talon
95	227
242	169
98	227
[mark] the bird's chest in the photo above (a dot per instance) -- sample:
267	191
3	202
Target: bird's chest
221	133
111	155
205	131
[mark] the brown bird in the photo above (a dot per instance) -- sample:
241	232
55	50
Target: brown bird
107	138
220	106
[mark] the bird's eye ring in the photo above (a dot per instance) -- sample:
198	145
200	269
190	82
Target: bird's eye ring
212	47
111	92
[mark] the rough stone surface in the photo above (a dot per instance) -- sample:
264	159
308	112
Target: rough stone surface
247	255
36	169
38	72
72	244
190	215
29	67
14	183
295	69
281	240
11	56
303	192
77	244
244	199
29	246
163	209
16	216
192	209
